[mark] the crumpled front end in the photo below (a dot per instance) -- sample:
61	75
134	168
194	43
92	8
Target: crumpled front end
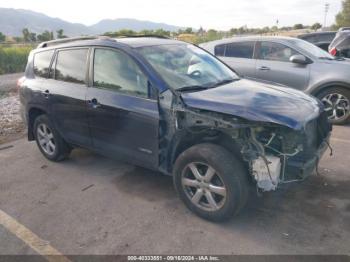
280	155
274	152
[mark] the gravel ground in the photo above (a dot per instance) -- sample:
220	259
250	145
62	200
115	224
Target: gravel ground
8	82
11	125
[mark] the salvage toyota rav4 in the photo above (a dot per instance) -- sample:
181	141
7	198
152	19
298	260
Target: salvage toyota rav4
174	108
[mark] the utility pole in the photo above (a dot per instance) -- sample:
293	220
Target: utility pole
326	9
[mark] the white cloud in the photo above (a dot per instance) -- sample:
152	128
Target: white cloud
218	14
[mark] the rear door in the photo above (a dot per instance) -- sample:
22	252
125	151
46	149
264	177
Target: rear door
239	56
38	85
123	119
273	65
67	93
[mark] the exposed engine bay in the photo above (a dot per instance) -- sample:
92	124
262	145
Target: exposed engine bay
274	154
285	155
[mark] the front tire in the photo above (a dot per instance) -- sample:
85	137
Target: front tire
337	104
211	182
49	141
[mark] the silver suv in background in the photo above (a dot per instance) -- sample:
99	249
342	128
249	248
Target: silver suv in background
291	62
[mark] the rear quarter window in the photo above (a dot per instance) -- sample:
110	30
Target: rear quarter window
42	62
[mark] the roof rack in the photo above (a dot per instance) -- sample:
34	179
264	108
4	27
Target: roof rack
140	35
72	39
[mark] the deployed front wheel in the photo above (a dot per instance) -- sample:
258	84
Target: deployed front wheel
211	181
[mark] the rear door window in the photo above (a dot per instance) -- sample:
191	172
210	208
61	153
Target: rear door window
71	65
219	50
240	50
42	62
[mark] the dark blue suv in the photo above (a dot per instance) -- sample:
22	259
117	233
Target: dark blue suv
172	107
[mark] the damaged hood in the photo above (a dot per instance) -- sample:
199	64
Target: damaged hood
256	101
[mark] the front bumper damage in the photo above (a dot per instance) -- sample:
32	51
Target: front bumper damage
275	170
272	167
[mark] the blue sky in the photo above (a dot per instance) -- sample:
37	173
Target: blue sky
217	14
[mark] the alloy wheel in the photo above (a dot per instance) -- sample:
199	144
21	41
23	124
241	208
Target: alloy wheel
46	139
203	186
337	106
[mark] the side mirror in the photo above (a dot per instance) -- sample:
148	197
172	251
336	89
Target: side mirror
298	59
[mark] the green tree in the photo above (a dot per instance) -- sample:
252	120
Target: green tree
60	34
298	26
274	28
188	30
2	37
241	30
45	36
18	39
161	32
233	31
26	35
316	26
32	37
343	17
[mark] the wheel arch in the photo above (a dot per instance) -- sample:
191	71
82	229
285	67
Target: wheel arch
33	113
316	91
185	139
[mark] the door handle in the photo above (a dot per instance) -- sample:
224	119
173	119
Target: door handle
46	93
94	103
264	68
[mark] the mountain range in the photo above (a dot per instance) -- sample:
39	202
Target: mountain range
12	21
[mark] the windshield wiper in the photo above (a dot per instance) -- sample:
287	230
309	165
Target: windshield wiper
192	88
339	58
200	88
325	58
223	82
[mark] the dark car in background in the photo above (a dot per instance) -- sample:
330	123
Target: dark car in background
340	46
320	39
174	108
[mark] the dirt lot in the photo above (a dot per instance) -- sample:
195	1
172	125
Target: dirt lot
11	126
8	82
93	205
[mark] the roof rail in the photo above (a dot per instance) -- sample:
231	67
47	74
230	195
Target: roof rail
140	35
71	39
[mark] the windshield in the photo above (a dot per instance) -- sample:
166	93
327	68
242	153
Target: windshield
312	49
186	65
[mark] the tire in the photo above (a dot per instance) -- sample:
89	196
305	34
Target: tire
54	148
230	174
329	98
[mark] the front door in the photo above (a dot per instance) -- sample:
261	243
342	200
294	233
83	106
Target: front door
273	65
123	119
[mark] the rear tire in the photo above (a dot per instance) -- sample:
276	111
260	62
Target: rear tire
49	141
221	178
337	104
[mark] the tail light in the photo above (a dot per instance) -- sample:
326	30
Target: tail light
333	51
20	81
